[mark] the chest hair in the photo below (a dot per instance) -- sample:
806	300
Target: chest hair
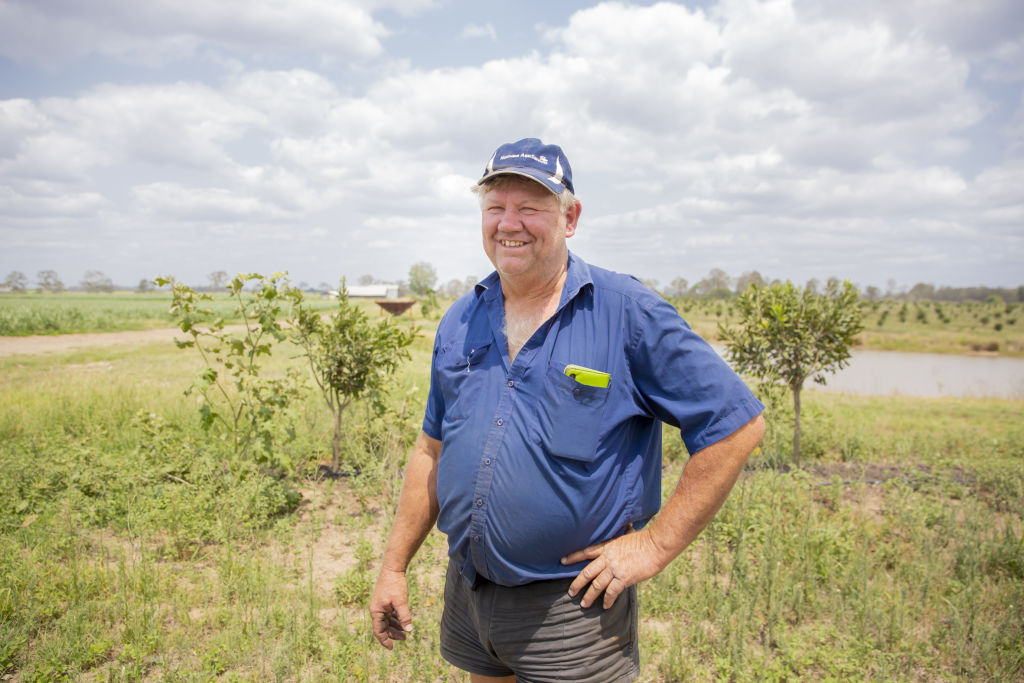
522	321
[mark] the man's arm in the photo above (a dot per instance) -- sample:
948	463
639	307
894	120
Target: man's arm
704	485
417	512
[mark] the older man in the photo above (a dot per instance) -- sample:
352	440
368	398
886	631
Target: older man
540	456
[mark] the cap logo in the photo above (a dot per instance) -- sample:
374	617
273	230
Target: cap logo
522	155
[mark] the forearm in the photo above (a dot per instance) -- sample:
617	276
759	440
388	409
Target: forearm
707	479
417	505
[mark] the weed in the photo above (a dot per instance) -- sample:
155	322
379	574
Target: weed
132	549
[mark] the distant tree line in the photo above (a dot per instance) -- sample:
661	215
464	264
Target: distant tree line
49	281
718	284
423	282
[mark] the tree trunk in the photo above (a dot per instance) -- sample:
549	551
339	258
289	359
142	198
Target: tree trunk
796	423
336	441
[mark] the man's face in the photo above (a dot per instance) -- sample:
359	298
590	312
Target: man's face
524	231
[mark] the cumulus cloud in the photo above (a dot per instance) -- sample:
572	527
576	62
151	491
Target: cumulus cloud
479	31
53	33
777	135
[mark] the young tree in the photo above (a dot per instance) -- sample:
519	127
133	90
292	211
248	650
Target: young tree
96	281
49	281
218	280
715	285
749	278
787	335
452	290
350	357
239	402
422	278
16	281
679	287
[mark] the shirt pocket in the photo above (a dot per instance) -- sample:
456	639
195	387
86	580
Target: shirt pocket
460	373
570	416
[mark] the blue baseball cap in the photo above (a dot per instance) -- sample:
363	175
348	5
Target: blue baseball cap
532	159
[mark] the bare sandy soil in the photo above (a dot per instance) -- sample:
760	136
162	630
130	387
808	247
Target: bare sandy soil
14	346
56	343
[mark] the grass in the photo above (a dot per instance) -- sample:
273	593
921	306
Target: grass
131	549
76	312
889	325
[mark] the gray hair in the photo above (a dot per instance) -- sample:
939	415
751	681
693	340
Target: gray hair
565	198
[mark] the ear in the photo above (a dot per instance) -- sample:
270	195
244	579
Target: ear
572	218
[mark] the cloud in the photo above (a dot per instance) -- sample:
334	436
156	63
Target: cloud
156	32
170	200
64	205
779	136
976	29
479	31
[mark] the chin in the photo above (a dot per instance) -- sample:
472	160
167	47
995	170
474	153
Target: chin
509	265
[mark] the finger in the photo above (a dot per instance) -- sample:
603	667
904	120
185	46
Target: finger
588	553
585	576
597	586
403	616
381	631
613	591
396	630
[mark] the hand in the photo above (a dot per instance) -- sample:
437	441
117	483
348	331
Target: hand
616	565
389	608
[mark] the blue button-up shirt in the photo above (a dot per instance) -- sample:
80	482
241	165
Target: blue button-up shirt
535	465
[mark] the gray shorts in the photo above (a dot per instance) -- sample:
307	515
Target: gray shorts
538	632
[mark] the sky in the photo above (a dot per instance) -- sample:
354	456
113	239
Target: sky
876	141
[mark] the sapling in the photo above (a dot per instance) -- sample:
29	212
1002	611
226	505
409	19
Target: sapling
238	402
350	357
787	335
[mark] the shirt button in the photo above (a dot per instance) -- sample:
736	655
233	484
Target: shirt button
511	384
479	502
576	391
476	539
499	422
487	461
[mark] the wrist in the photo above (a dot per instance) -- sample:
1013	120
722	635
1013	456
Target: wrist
393	567
661	546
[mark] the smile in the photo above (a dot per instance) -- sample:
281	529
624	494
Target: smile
510	243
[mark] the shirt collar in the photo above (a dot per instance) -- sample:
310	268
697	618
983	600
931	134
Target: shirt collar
577	277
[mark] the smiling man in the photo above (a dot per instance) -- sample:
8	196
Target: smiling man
540	456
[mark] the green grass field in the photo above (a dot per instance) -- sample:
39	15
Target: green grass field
922	326
925	326
132	549
75	312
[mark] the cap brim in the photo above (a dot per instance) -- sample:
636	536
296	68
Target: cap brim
549	183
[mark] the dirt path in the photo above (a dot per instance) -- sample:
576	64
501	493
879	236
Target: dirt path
14	346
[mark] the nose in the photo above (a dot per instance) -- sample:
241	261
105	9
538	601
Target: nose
510	221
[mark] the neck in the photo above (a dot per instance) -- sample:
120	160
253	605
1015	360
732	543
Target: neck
529	291
528	307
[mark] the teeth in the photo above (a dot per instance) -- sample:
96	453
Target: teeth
510	243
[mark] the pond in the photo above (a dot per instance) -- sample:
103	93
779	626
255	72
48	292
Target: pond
890	373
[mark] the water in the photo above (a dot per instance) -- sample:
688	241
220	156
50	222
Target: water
890	373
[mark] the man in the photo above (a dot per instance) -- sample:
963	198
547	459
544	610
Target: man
540	456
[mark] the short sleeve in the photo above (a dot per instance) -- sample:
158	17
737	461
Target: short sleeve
434	414
681	380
